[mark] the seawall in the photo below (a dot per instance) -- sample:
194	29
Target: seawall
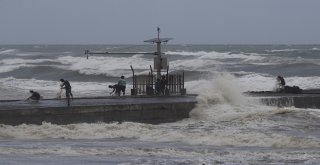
298	101
152	110
289	100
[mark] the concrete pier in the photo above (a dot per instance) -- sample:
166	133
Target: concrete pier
103	109
305	100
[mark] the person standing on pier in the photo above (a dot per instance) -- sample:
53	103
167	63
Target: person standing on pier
122	86
66	85
163	83
157	86
281	83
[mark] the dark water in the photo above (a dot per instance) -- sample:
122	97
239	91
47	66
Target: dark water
225	127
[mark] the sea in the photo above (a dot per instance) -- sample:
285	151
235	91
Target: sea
226	126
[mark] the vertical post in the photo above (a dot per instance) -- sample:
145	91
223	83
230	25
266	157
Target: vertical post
159	54
133	90
182	79
184	90
151	70
133	83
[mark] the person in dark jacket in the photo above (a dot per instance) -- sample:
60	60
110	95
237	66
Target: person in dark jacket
158	87
163	83
66	85
281	83
35	96
116	89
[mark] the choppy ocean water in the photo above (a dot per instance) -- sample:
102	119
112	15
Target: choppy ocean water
226	127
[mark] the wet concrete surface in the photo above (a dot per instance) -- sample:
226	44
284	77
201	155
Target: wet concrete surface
309	98
145	109
114	100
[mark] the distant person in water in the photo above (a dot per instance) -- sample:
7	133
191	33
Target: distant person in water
121	86
66	85
281	83
35	96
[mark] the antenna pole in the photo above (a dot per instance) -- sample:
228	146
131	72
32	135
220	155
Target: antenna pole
159	54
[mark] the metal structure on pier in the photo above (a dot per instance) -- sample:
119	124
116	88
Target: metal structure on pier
144	84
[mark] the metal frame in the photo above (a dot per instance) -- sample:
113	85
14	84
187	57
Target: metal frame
144	84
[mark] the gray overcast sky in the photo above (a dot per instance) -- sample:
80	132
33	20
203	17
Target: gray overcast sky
132	21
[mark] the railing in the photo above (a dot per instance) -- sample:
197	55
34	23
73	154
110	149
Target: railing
175	84
143	84
146	84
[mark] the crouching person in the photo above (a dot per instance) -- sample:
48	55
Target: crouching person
35	96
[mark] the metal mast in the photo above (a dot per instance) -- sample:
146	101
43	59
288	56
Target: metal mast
159	62
159	59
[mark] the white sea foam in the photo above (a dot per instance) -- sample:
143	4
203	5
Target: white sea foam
28	53
160	155
194	64
222	89
8	51
115	66
28	83
247	82
8	65
79	151
282	50
227	112
18	53
218	133
304	82
8	68
167	155
110	66
223	117
209	60
252	82
49	89
15	61
185	53
218	55
260	82
265	82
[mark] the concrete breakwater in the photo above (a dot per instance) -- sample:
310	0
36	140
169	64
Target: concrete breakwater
145	109
309	101
104	109
288	100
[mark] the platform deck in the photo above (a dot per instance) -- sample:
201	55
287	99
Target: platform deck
145	109
112	100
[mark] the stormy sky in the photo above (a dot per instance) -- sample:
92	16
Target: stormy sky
132	21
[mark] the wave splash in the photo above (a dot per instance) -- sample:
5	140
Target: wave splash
223	117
